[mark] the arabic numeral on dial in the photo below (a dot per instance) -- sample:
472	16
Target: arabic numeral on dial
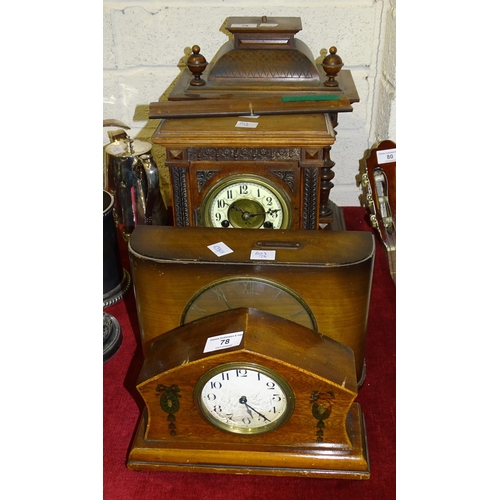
246	420
241	373
276	397
211	397
215	385
217	409
243	189
269	201
271	385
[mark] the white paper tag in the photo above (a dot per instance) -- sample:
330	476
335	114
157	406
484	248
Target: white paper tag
386	156
220	249
239	123
263	255
244	25
224	341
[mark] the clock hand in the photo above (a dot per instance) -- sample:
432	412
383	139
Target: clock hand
244	214
270	211
236	207
248	214
243	401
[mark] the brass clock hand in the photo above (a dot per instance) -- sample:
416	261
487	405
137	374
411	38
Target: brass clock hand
243	401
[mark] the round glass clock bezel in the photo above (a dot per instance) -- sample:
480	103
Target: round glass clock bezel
263	281
233	429
280	195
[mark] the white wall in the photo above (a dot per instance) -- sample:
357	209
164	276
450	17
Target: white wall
147	41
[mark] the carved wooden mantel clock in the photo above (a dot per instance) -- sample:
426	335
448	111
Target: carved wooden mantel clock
247	392
248	136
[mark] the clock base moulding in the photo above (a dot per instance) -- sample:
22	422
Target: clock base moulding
311	460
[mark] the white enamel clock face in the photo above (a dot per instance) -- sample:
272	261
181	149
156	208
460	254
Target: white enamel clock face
246	202
244	398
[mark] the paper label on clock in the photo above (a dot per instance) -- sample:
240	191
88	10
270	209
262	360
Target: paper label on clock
386	156
244	25
240	123
224	341
263	255
220	249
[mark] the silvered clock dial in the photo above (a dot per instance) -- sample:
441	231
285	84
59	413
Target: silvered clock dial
258	293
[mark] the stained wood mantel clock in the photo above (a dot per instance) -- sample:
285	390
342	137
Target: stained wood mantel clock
248	136
319	279
228	394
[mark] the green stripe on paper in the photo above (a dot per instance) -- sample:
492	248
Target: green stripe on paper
297	98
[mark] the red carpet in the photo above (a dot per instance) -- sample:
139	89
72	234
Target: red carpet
377	397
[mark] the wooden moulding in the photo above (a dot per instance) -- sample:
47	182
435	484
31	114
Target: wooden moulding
304	130
311	363
313	460
256	106
183	91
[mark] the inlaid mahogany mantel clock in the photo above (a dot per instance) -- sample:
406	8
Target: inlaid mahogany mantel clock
248	136
229	394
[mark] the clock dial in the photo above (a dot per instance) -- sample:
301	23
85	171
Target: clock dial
244	398
245	201
265	295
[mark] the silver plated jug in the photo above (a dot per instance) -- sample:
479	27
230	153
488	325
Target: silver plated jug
132	176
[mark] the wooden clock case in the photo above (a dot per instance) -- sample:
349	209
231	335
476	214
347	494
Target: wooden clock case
330	271
325	436
252	74
291	152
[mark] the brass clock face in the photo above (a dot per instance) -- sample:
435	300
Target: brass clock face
246	201
263	294
244	398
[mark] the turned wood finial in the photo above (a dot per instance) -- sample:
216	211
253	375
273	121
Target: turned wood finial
196	64
332	64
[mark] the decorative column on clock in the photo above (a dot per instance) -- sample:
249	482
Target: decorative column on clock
326	176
